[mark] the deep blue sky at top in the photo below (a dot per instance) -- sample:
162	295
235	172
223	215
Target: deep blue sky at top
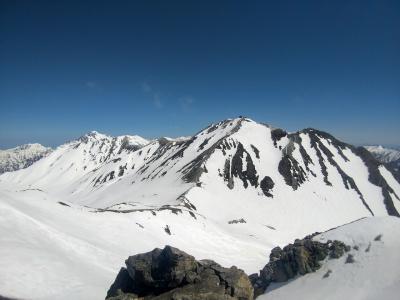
170	68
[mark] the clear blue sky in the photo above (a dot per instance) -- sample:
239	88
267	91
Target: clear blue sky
170	68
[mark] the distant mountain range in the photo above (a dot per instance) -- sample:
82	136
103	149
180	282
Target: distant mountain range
389	157
21	157
384	155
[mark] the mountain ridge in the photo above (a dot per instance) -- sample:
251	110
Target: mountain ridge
100	153
390	158
21	157
231	192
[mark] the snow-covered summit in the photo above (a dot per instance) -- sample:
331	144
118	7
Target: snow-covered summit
177	139
21	157
384	155
74	159
93	136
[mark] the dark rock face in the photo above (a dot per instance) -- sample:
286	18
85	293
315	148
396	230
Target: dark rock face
248	175
256	151
193	170
171	274
122	170
327	274
128	147
204	143
233	167
314	144
350	259
123	282
167	230
300	258
6	298
277	134
237	221
337	249
267	184
293	174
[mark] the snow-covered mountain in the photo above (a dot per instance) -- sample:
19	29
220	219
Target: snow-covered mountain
226	162
384	155
231	192
21	157
389	157
71	161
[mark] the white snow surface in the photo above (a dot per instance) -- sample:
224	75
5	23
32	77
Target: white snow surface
68	222
59	252
374	275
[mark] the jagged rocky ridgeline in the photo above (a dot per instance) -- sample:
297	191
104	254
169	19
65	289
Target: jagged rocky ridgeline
171	274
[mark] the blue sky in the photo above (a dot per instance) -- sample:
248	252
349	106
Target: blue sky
170	68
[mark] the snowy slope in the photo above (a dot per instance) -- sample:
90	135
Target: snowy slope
375	274
71	161
231	192
21	157
52	251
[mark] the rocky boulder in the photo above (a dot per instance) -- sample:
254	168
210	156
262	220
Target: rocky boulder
171	274
302	257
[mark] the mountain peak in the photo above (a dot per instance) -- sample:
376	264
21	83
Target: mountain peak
93	132
22	156
96	134
92	135
35	146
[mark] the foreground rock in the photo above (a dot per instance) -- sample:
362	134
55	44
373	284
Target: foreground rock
302	257
172	274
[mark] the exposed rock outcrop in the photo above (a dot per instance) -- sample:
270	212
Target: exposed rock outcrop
6	298
277	134
172	274
302	257
267	184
